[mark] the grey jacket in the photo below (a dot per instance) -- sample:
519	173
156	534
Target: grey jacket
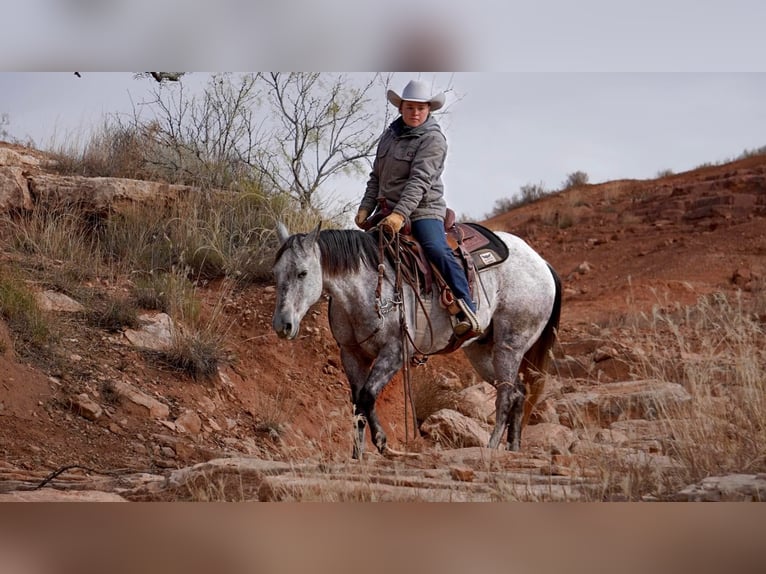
407	171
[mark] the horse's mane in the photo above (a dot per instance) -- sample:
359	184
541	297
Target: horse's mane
342	250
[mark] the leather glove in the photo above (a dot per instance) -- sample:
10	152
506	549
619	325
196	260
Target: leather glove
393	222
361	217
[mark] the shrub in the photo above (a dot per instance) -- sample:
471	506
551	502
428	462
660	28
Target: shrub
715	350
752	152
532	192
58	234
114	150
431	394
115	314
198	341
501	206
196	353
172	293
528	193
575	179
18	307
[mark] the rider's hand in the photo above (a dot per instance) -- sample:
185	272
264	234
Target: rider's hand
361	217
393	222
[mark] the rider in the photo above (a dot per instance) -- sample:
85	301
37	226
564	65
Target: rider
407	174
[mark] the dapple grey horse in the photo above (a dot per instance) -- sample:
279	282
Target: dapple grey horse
519	303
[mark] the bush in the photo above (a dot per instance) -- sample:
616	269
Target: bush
715	350
198	341
752	152
528	193
197	354
18	307
575	179
532	192
58	234
115	314
114	150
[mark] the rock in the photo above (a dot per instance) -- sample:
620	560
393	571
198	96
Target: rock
15	158
572	367
729	488
155	335
478	402
462	473
14	191
157	410
550	437
189	422
604	354
643	431
167	452
102	194
53	495
454	429
610	437
603	404
54	301
86	407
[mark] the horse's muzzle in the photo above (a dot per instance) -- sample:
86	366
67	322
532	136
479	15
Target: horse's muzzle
285	329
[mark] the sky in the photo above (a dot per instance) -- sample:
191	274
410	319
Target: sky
504	130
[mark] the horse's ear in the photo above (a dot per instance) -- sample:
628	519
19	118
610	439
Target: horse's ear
312	237
282	233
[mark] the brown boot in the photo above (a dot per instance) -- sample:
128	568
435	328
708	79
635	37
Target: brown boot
466	321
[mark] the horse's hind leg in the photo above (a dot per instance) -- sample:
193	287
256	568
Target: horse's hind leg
509	406
516	416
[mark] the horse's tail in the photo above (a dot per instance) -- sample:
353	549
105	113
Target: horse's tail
537	358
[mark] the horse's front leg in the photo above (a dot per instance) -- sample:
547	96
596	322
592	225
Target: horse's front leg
387	363
357	368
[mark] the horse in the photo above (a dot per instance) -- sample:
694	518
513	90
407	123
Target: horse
518	307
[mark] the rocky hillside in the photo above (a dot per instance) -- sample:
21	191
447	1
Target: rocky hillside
650	268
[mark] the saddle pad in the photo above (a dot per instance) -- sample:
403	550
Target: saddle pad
486	248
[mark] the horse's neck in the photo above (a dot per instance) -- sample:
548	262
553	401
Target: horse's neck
352	291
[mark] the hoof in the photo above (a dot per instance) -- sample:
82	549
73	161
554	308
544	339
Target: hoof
380	444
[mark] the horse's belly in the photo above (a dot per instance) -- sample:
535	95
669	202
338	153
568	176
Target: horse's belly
430	327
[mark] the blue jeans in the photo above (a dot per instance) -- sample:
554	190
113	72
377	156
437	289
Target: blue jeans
430	235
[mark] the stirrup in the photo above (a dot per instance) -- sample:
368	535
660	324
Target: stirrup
468	323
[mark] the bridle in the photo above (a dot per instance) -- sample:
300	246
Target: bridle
389	244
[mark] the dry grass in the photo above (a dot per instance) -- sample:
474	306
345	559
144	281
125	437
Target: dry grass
210	235
431	392
113	150
199	339
716	349
58	236
18	307
114	314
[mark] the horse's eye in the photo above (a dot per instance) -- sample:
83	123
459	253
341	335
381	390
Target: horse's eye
302	274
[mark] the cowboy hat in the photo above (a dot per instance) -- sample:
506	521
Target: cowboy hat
416	91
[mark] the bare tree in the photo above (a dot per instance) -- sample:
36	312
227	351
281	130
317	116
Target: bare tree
5	121
205	139
289	132
160	77
322	125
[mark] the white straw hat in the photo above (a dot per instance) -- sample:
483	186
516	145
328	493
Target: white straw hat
416	91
